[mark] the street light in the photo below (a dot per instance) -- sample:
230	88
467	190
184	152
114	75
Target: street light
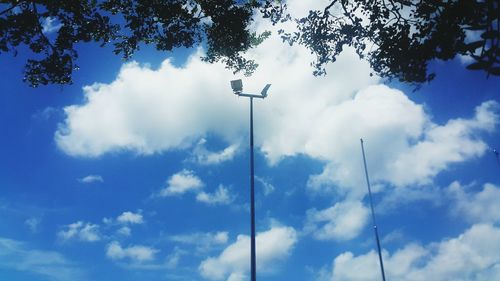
237	87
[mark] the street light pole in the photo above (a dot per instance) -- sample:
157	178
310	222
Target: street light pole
237	86
253	264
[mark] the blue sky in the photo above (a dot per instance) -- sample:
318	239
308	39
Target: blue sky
139	170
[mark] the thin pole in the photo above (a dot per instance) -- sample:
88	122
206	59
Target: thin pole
373	213
252	200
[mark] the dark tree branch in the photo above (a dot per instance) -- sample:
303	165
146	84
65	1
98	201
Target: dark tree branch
11	8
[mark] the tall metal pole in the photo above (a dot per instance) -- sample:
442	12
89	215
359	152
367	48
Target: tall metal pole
373	214
237	86
252	201
496	156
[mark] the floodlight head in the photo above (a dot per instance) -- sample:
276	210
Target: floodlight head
264	91
237	86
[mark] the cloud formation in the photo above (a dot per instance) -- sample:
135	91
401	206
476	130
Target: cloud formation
50	25
130	218
472	255
202	241
91	179
33	224
149	111
220	196
180	183
343	221
476	207
81	231
232	264
203	156
135	253
52	265
407	147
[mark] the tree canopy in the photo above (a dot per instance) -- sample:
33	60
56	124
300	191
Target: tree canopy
398	37
222	25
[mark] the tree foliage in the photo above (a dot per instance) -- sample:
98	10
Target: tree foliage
398	37
127	24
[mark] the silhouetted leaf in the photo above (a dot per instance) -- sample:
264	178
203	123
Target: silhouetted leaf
474	45
399	38
490	34
477	65
495	71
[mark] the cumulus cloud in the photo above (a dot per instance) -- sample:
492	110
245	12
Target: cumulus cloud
456	141
480	206
186	181
473	255
125	231
144	110
181	183
135	253
148	111
130	218
409	149
91	179
343	221
80	231
232	264
52	265
203	156
221	196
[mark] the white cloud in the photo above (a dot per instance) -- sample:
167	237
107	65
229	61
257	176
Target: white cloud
408	149
343	221
150	111
173	259
221	196
131	218
453	142
135	253
393	236
91	179
232	264
81	231
52	265
50	25
33	224
482	206
267	187
473	255
203	156
181	183
145	110
402	196
45	114
124	230
203	241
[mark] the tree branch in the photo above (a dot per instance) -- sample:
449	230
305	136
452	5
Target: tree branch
10	9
